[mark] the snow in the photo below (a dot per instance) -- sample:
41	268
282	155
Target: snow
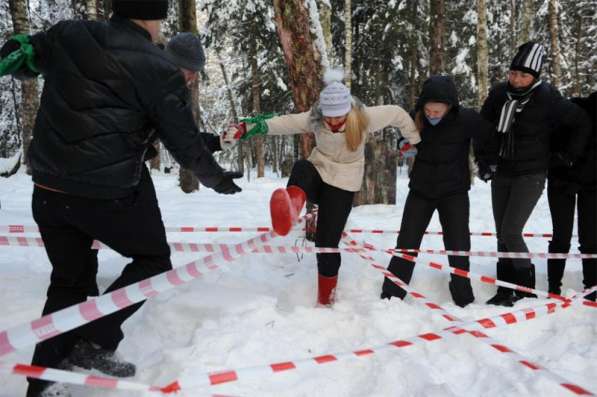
7	165
261	309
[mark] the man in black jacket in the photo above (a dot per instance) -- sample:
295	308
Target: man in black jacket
106	86
566	188
526	112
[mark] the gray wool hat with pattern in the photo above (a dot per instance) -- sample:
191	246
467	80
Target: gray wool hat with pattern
335	99
186	51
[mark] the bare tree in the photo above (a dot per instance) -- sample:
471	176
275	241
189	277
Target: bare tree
325	17
29	96
528	12
301	56
556	69
482	52
437	33
258	141
348	42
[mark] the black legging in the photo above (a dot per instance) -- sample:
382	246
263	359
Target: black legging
335	205
454	217
562	198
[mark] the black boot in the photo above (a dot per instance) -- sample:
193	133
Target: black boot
505	272
461	290
526	277
49	390
91	356
390	290
589	272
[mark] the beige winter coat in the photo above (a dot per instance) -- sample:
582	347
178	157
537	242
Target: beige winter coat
338	165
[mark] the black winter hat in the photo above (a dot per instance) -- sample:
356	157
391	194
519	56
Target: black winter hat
141	9
529	58
186	51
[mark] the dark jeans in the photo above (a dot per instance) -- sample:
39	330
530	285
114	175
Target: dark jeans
334	207
562	198
454	217
513	200
132	226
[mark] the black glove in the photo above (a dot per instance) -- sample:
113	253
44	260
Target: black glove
560	159
226	185
486	171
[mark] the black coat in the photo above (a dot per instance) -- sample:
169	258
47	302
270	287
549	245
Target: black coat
106	87
584	170
545	113
441	166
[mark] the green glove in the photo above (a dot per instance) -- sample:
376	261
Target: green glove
256	125
16	54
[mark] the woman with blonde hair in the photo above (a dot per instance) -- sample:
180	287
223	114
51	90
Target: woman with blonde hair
334	170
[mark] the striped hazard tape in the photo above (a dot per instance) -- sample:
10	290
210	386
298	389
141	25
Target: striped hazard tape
72	317
263	229
183	247
458	328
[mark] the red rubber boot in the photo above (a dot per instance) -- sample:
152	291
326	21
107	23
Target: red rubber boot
326	290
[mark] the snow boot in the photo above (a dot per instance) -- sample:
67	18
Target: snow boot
285	206
526	277
390	290
55	390
461	290
505	272
326	290
88	355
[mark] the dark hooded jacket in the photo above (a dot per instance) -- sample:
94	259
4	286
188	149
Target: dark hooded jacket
441	166
546	113
106	88
584	170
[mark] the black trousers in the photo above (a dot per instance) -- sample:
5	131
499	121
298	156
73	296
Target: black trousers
513	200
563	197
454	217
334	207
132	226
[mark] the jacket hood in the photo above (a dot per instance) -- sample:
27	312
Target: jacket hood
438	89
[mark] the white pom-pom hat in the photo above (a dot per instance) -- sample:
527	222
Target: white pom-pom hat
335	99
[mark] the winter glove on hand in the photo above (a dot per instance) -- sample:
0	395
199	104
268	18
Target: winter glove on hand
560	159
406	149
230	137
17	58
486	172
226	185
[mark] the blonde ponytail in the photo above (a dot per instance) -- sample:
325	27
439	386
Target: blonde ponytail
357	124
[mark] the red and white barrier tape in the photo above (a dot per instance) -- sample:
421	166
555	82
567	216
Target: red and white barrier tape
77	315
269	249
262	229
92	381
265	371
458	327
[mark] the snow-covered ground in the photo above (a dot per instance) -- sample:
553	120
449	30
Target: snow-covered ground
261	310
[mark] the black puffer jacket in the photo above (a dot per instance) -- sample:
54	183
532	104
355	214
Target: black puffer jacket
106	87
584	170
441	166
545	113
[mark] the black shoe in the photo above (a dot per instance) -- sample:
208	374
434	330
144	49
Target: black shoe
521	295
90	356
462	292
592	296
391	290
502	298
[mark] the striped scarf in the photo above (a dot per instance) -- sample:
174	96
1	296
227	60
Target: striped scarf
515	104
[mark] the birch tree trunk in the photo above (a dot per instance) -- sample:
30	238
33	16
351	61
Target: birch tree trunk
482	53
188	23
257	141
437	33
301	56
325	16
240	162
29	96
528	13
348	42
556	70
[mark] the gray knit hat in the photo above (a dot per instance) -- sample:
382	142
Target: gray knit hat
186	51
335	100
